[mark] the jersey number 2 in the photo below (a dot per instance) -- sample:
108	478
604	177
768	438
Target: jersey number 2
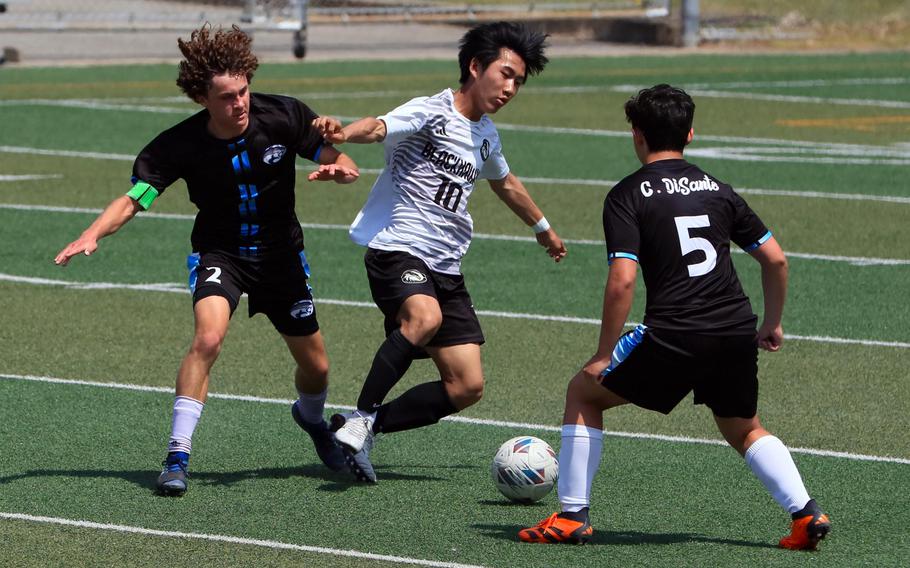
688	243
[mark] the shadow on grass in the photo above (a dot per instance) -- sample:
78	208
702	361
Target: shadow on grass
625	538
146	479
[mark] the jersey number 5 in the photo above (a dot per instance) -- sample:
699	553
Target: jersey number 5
688	243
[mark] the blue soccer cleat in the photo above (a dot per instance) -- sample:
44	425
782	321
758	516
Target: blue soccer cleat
326	448
172	480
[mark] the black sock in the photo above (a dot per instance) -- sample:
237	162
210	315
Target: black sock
579	516
419	406
390	364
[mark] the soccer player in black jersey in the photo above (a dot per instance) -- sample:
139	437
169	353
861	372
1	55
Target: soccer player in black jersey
237	158
699	332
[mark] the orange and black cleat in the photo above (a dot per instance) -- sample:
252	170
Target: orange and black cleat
809	526
556	529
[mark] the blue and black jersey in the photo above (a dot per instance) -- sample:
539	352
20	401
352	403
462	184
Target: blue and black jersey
677	222
243	187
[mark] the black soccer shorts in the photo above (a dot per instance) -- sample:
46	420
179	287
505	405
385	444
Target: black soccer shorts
276	287
666	365
394	276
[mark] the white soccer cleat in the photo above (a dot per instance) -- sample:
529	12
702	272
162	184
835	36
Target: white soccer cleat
355	433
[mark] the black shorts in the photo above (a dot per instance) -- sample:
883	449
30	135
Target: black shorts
275	286
665	366
394	276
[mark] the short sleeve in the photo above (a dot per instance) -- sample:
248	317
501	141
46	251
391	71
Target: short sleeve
308	140
495	167
405	120
748	231
157	164
621	230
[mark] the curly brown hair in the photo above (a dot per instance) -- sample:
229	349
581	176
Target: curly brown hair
207	54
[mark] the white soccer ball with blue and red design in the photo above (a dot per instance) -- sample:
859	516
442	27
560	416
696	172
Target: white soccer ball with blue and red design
525	469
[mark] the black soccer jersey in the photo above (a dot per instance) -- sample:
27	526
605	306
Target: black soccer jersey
243	187
677	222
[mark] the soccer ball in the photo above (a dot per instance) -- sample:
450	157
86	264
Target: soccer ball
525	469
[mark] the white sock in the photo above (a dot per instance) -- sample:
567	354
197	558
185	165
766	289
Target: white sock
186	415
579	458
772	465
312	406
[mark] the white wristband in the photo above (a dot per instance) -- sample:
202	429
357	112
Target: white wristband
541	226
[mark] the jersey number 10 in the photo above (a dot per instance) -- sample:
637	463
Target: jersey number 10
448	196
688	243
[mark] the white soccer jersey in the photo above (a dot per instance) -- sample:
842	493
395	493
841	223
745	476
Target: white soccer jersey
419	204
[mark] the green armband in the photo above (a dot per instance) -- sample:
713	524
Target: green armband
144	194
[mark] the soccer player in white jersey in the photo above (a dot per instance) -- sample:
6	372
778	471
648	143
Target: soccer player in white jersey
699	332
417	228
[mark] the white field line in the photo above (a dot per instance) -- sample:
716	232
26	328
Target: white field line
459	419
721	94
29	177
853	260
532	180
177	288
102	105
273	544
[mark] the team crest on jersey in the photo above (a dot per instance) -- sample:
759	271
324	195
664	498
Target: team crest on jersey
273	154
302	309
485	149
413	276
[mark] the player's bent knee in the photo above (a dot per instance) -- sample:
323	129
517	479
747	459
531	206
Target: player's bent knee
465	393
207	344
420	328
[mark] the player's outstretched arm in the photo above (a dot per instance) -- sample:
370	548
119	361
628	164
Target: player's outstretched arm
335	166
364	131
514	194
111	219
774	273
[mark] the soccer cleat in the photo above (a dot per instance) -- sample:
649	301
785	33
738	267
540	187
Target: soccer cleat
353	431
358	462
556	529
172	480
809	526
326	448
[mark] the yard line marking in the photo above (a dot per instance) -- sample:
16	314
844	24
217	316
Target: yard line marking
853	260
459	419
274	544
29	177
179	288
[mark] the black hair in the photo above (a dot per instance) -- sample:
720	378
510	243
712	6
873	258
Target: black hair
484	42
663	114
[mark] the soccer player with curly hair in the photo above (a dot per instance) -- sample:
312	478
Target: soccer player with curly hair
237	157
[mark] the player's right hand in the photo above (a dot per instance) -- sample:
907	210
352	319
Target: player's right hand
330	129
770	337
82	245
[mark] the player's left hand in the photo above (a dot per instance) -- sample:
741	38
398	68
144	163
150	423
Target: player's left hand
554	245
334	172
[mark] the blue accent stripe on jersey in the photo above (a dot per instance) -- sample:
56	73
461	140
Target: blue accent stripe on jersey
318	152
249	251
252	204
624	347
759	242
628	255
192	264
244	194
235	161
243	209
254	193
232	146
245	158
304	264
